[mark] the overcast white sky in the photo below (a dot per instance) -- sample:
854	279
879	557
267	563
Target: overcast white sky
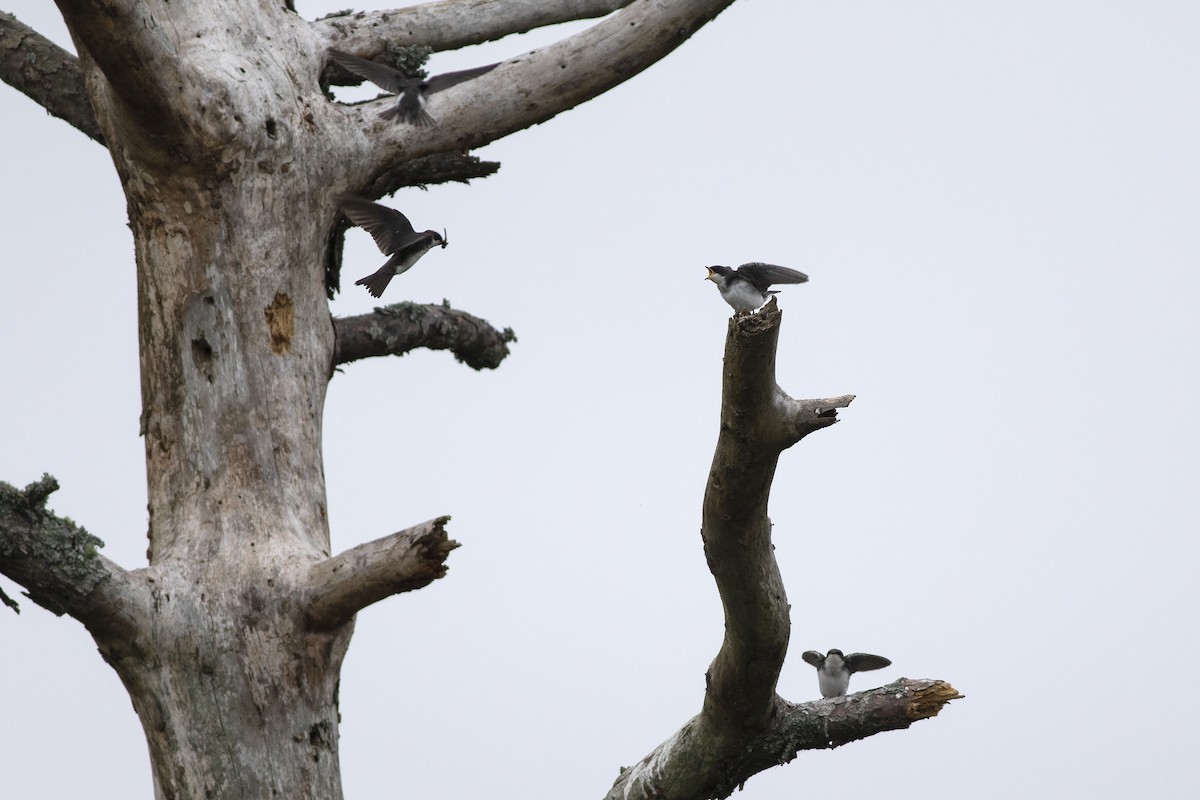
997	204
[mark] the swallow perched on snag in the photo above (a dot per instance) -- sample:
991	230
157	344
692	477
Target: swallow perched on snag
410	92
834	669
395	237
747	287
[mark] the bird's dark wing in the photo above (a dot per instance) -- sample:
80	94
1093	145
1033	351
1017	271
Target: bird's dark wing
390	229
813	657
448	79
763	275
862	662
383	76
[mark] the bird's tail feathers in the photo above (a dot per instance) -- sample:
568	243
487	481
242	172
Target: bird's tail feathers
376	282
418	117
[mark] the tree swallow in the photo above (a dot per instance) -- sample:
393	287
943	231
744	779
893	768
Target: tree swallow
410	92
834	669
393	234
748	287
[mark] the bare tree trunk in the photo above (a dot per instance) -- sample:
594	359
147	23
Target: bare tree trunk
230	154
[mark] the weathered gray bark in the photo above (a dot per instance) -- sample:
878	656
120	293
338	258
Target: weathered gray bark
230	155
348	583
743	726
452	24
47	74
399	328
59	564
53	78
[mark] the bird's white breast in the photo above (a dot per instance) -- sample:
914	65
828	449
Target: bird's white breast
833	683
834	676
742	296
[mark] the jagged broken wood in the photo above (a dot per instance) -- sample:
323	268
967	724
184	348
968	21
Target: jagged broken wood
744	727
310	606
349	582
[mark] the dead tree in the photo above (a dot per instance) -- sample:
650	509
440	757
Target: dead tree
231	152
743	726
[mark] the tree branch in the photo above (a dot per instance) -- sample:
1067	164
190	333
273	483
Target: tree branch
528	89
139	60
451	24
743	726
46	74
58	564
751	397
816	725
440	168
397	329
349	582
833	722
736	530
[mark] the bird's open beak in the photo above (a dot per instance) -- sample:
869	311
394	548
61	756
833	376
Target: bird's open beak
709	276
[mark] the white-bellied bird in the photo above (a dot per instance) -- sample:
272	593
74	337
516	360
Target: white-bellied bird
749	286
394	235
834	669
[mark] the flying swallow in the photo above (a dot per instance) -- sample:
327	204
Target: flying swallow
834	669
748	287
410	92
393	234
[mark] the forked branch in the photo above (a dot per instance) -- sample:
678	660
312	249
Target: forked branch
744	727
758	421
528	89
53	78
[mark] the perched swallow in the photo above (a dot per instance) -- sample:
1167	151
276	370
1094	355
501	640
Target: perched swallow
410	92
834	669
748	287
394	235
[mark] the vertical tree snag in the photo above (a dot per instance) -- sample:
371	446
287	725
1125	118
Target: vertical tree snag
743	726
